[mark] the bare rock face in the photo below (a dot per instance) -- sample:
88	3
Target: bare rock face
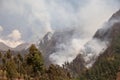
46	46
50	41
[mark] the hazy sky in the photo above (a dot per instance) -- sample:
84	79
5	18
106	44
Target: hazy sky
29	20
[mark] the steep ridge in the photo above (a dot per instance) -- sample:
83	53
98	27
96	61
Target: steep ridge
107	32
21	47
49	43
107	64
110	32
113	31
46	47
3	47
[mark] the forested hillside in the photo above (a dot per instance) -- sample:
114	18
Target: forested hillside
29	67
107	65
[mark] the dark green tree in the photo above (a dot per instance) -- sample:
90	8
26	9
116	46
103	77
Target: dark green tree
35	60
20	58
11	69
8	54
0	55
55	72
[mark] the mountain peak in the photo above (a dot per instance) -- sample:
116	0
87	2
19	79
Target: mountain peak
45	39
48	36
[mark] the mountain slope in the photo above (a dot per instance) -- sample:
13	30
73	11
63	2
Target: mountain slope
110	33
107	32
107	64
53	42
46	47
3	47
21	47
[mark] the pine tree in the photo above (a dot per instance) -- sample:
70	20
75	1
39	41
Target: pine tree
0	55
11	69
8	54
35	60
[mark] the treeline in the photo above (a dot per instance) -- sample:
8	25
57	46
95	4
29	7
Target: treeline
105	68
29	67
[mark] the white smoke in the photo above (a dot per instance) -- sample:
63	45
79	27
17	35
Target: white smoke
71	43
91	17
42	16
66	52
92	50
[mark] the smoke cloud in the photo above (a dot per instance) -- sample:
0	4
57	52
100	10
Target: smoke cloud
34	18
92	50
90	19
67	46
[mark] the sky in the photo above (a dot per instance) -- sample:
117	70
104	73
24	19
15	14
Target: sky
29	20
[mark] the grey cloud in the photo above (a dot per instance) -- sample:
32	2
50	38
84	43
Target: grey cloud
32	17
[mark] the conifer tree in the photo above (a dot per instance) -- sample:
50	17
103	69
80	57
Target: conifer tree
35	60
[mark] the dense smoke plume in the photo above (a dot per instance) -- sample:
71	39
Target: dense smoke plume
73	43
34	18
82	41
